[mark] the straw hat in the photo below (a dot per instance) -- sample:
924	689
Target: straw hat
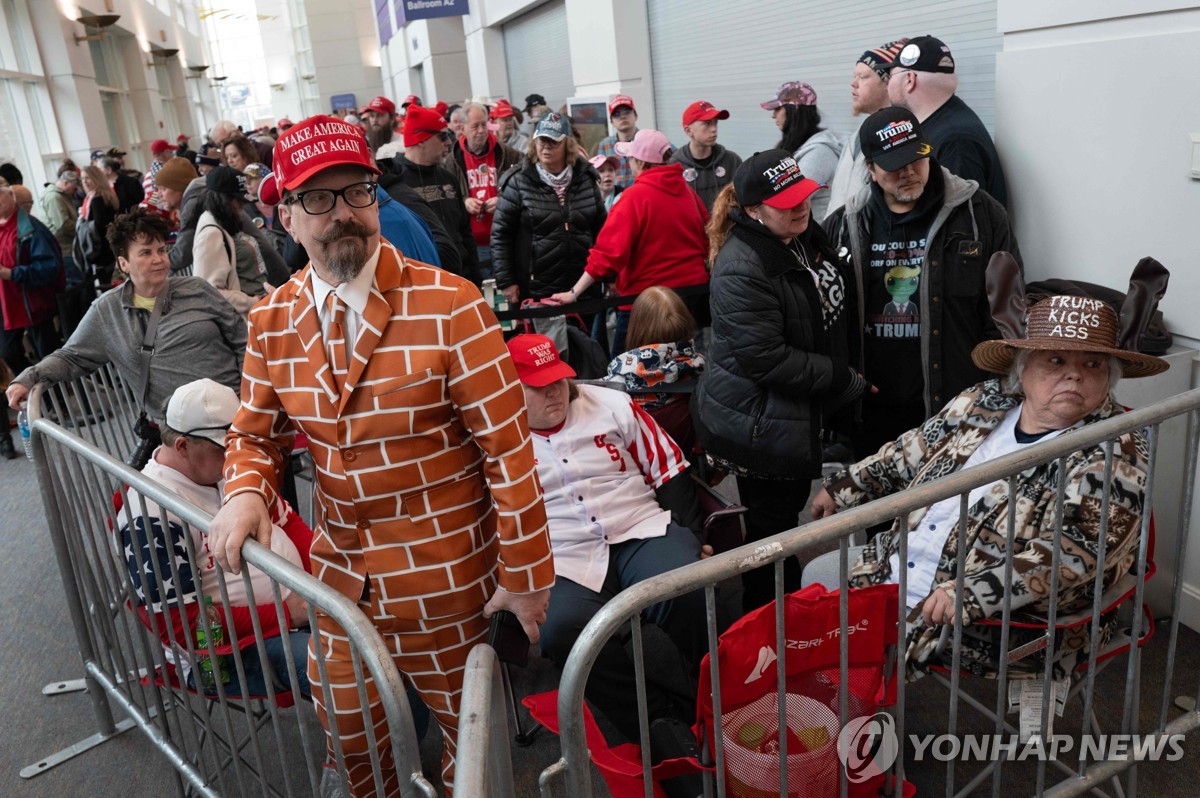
1068	323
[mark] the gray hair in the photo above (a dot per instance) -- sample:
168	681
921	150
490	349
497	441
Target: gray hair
471	105
1012	382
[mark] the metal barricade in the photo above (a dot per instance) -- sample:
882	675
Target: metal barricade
483	749
570	775
218	743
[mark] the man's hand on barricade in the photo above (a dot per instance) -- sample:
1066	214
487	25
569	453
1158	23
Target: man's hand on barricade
822	505
16	394
530	609
512	294
243	516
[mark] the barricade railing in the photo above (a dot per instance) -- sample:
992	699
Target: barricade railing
484	769
135	656
1086	771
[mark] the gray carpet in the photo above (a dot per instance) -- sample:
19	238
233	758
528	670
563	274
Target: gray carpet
39	647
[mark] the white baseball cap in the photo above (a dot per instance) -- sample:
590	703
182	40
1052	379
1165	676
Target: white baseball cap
203	409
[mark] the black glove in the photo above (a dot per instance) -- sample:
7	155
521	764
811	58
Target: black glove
854	388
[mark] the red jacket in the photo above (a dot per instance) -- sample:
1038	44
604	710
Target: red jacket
654	235
29	297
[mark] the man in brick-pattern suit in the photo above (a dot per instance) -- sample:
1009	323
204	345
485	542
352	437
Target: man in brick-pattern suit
430	514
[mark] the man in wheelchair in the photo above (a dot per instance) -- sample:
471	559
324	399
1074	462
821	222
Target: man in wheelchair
189	463
1061	367
607	470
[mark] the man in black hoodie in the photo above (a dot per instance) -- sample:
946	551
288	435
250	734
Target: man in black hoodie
418	167
920	239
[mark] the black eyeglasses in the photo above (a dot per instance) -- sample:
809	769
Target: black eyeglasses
321	200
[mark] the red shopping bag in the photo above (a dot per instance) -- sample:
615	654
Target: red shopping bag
749	663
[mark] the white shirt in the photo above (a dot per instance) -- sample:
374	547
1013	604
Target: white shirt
354	294
599	472
927	539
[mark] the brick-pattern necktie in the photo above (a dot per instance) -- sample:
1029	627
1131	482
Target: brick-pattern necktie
335	340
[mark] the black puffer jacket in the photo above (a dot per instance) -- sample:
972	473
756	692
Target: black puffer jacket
539	244
775	366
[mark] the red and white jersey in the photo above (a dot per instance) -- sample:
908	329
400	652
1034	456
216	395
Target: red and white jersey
599	472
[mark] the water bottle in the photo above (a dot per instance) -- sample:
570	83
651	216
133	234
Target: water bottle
26	435
211	666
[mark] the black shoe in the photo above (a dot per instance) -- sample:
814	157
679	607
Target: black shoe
7	450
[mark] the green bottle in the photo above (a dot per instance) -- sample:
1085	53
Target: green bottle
211	667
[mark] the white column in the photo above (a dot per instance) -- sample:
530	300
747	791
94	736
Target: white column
610	52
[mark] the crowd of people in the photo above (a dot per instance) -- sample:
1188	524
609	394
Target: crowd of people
824	290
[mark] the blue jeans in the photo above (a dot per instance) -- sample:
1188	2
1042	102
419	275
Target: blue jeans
612	682
485	262
620	327
276	655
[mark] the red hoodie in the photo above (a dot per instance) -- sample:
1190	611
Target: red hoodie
654	235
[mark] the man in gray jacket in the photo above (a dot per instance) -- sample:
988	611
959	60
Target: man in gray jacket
707	166
919	239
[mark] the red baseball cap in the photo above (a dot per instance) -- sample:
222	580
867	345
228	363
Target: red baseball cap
537	360
502	110
411	99
285	122
380	105
318	143
618	101
182	137
159	146
441	107
422	123
702	111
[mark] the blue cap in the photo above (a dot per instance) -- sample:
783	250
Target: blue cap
555	127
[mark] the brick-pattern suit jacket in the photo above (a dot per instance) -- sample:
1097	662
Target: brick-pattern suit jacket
425	472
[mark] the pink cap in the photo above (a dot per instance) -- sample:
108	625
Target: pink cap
650	146
598	161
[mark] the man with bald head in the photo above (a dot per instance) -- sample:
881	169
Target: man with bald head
923	80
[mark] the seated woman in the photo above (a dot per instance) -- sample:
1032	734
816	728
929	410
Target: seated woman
601	460
661	353
1060	374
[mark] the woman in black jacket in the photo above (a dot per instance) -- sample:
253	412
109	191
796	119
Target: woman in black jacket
779	361
93	255
547	217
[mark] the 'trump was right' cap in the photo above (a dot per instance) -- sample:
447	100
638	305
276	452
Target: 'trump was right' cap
892	138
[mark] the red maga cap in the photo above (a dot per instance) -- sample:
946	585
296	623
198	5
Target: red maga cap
318	143
537	361
380	105
420	124
618	101
702	111
502	110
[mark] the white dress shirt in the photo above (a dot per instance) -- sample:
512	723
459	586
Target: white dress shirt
354	294
927	539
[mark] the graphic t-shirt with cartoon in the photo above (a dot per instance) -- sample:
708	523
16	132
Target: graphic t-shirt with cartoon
891	279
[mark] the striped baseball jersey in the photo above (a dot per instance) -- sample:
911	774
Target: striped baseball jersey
425	473
599	471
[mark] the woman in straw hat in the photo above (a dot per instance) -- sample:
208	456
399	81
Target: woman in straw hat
1060	367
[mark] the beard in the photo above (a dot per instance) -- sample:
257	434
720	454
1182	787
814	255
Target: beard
378	136
345	249
909	197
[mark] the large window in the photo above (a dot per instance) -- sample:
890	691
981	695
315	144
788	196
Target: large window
29	134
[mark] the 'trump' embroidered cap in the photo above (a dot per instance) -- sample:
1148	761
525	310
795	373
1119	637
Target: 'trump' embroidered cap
318	143
892	138
621	100
702	111
772	178
554	126
203	409
537	360
924	54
